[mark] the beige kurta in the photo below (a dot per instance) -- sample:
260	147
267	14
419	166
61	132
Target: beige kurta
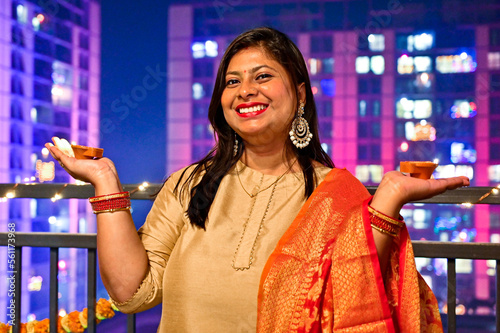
191	269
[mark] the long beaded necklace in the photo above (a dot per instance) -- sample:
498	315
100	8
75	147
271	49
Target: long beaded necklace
250	258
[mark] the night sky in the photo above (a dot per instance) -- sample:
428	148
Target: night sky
134	43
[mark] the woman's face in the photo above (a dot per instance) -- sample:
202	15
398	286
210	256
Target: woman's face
259	101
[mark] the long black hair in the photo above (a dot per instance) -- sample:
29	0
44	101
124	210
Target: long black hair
214	166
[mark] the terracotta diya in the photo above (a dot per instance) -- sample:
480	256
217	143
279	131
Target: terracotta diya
418	169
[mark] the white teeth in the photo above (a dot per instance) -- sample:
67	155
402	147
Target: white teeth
252	108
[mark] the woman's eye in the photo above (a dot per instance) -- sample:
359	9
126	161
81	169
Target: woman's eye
231	82
263	76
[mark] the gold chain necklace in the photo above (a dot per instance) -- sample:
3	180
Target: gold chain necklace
251	195
250	257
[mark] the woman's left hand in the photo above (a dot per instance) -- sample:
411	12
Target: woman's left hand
397	189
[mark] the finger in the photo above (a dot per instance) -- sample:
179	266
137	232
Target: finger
49	146
452	183
54	151
63	159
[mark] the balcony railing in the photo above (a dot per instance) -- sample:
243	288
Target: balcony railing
449	250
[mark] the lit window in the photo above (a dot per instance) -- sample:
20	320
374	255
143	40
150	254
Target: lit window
377	64
459	153
376	43
463	109
458	63
405	64
362	65
494	238
198	90
33	208
362	108
404	108
420	42
423	81
22	13
198	50
418	109
494	60
463	266
423	64
423	109
314	66
494	173
376	173
318	66
208	48
369	173
34	115
211	48
82	225
36	24
420	218
61	74
451	170
362	173
61	95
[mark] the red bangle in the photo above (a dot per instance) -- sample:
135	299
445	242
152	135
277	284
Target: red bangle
109	196
110	202
399	222
384	223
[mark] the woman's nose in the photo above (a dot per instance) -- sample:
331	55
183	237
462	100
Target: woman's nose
247	89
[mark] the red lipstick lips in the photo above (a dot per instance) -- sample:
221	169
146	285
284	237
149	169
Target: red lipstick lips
246	110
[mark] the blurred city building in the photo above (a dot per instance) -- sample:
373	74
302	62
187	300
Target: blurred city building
49	86
393	80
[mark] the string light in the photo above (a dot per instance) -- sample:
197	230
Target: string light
141	187
58	194
493	191
56	197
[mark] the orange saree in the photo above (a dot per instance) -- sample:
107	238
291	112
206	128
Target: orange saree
324	274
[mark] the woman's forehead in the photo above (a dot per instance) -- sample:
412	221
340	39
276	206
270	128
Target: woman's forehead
253	56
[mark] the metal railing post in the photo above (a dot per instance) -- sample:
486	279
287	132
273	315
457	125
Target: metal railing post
54	289
91	290
452	296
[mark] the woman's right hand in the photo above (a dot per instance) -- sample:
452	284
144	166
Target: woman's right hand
99	172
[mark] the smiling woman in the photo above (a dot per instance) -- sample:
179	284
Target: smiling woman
264	233
259	98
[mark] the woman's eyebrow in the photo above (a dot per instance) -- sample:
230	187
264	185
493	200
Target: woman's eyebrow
253	70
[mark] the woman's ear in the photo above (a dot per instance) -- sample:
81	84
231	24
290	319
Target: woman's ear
301	92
